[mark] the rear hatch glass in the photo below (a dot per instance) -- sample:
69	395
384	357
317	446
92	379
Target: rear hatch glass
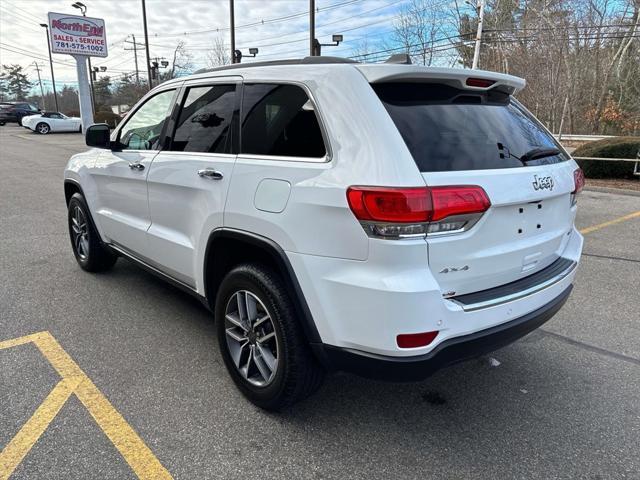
460	137
450	129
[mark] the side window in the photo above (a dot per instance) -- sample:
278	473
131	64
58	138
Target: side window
279	120
204	122
142	131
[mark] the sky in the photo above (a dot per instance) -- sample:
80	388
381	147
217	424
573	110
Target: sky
198	23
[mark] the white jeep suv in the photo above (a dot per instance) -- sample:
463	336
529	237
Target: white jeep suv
386	219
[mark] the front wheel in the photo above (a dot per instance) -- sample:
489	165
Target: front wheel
91	254
260	340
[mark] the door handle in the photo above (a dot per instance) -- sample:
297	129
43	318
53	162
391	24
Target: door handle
136	166
210	173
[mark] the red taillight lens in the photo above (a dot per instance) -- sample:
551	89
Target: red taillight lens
414	340
408	212
479	82
458	200
578	181
396	205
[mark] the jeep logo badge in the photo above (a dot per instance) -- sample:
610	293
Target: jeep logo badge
542	183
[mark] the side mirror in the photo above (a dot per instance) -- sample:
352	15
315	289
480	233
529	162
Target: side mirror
98	136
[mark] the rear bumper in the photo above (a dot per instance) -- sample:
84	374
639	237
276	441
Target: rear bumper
449	352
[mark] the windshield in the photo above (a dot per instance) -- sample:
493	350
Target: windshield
450	129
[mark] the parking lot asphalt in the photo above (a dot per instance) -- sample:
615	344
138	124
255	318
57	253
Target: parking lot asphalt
564	402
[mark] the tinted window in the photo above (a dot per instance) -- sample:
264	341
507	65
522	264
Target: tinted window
449	129
279	120
142	131
204	123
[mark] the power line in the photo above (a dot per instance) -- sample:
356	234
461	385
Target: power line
258	23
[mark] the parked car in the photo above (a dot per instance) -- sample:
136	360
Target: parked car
52	122
16	111
381	219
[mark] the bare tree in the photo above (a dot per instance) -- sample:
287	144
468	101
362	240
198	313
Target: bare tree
218	54
418	28
182	62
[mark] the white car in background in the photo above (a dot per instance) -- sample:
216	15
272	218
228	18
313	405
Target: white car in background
52	122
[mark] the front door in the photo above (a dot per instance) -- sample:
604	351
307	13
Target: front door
121	175
188	183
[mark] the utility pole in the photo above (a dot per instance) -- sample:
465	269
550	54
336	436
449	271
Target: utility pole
312	27
146	43
40	82
135	55
233	31
476	51
53	78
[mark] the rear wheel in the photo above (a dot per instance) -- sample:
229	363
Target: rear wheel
42	128
260	339
91	254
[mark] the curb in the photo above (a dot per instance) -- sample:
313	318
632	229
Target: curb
618	191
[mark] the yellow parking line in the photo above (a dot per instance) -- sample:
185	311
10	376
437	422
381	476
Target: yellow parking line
139	457
31	431
74	381
624	218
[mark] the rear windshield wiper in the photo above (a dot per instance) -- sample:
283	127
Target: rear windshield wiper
538	153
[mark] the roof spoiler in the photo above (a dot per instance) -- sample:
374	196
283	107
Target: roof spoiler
465	79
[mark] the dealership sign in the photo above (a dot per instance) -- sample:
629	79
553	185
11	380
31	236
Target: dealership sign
75	35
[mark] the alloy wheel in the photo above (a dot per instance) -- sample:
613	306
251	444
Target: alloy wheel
43	129
251	338
80	231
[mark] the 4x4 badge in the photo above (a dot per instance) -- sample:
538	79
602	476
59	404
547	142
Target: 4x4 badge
542	183
455	269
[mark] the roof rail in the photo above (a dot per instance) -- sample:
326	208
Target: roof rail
291	61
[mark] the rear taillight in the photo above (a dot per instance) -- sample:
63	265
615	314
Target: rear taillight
578	184
416	211
398	205
578	181
458	200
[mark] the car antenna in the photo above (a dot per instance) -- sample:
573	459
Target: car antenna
399	58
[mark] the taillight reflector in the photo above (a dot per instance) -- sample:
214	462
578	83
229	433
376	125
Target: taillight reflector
578	181
414	340
479	82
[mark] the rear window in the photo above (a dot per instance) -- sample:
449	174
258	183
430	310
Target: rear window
449	129
279	120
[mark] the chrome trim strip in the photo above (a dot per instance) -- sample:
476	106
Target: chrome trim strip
135	259
470	307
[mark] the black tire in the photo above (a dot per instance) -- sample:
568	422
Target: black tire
20	121
298	373
44	127
92	255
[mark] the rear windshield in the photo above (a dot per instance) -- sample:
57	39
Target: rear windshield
450	129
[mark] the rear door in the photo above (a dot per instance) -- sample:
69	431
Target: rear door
461	137
188	182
